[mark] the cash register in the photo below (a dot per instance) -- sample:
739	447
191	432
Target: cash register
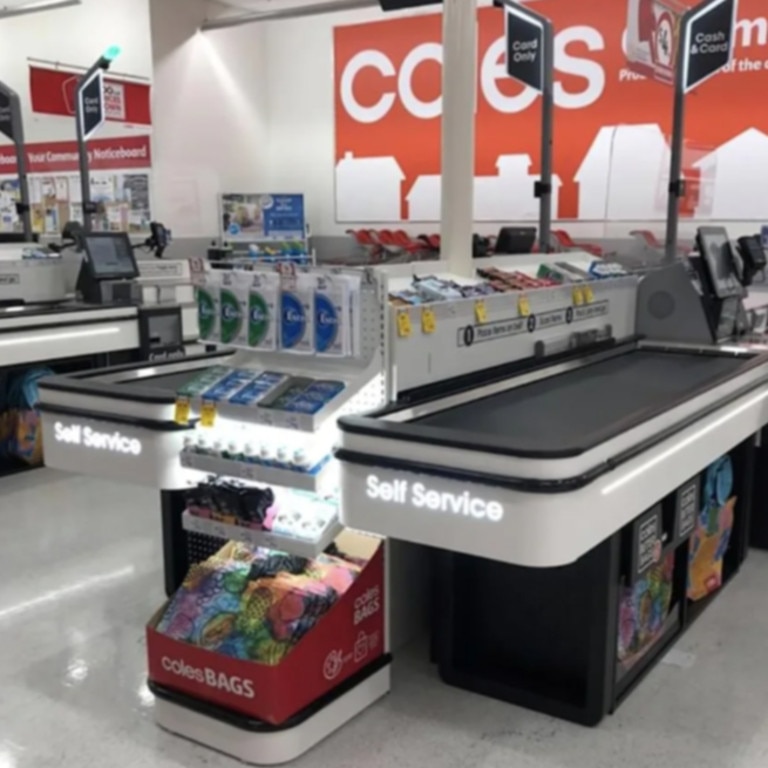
109	269
108	275
720	276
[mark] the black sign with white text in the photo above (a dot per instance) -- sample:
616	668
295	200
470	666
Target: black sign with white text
647	538
6	115
92	105
708	41
525	47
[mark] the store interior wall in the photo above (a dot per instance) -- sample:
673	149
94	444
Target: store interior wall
242	109
75	35
210	116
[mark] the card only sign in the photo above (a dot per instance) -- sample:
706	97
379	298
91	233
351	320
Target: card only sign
525	47
708	41
92	111
6	115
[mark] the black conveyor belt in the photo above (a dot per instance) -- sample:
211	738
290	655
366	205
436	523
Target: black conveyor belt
172	382
574	411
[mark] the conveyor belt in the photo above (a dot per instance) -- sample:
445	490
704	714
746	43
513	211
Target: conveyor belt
172	382
575	410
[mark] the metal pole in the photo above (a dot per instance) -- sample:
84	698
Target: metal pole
458	140
547	134
676	183
82	148
21	165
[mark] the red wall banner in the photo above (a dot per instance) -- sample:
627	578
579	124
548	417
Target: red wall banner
53	93
125	153
611	124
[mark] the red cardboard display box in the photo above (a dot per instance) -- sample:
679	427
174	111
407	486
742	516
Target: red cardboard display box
348	638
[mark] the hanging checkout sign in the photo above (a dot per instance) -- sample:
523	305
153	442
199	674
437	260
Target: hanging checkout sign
92	112
707	41
7	123
525	47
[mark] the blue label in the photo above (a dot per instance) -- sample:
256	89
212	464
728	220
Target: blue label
284	217
326	323
234	229
294	320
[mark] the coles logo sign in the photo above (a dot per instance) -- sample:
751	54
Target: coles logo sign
611	126
238	686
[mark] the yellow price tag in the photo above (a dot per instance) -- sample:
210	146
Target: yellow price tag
589	294
428	320
404	329
578	296
208	414
523	306
181	413
481	313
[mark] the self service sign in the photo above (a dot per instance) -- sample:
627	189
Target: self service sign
707	40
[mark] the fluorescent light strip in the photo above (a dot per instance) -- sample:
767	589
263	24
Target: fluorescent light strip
690	440
68	336
43	5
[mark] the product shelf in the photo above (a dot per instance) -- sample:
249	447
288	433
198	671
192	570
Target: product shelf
301	422
256	538
258	473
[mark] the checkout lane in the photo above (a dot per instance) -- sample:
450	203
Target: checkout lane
582	512
580	504
120	315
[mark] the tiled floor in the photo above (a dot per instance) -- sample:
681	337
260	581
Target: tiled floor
80	573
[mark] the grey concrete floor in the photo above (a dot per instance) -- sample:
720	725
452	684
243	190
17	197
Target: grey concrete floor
80	573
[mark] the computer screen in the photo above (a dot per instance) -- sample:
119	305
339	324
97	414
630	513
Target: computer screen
715	251
111	256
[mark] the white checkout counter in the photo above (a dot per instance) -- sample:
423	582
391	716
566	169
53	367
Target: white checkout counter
41	321
551	453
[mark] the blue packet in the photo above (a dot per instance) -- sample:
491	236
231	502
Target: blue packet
229	385
316	397
258	389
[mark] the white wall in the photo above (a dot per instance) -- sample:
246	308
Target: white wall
210	119
75	35
278	132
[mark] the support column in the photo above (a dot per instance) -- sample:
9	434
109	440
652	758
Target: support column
458	144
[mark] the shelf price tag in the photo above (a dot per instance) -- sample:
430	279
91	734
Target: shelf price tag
578	296
208	414
428	320
481	312
523	307
182	411
589	294
404	329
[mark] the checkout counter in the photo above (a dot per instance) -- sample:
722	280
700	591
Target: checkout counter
584	492
41	320
575	463
125	310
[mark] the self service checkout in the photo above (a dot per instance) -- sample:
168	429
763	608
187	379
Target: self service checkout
419	495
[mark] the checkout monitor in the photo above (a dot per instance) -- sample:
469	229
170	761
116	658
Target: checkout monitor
717	254
110	255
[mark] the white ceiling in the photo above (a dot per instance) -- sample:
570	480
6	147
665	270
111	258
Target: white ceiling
260	6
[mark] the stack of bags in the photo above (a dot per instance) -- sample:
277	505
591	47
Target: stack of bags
255	604
20	428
